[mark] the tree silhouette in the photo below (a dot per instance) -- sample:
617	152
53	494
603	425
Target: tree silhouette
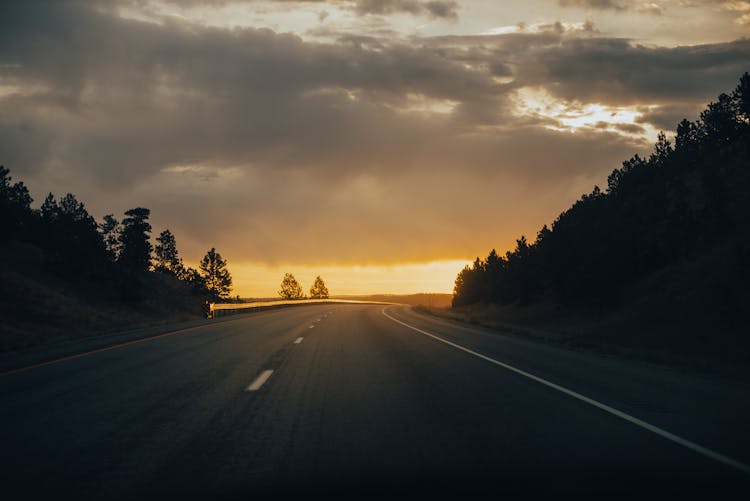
166	256
319	289
216	278
290	288
194	278
82	252
110	229
681	201
135	254
70	236
462	295
15	207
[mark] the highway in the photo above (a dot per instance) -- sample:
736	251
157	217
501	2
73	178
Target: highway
365	401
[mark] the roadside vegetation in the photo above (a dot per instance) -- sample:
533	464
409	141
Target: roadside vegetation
292	290
64	274
658	262
319	289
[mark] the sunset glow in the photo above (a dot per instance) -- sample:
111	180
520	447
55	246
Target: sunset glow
335	249
261	280
380	144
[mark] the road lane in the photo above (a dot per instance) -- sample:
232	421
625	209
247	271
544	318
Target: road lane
362	406
710	410
667	435
121	410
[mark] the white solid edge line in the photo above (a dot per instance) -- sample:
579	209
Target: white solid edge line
606	408
259	381
298	340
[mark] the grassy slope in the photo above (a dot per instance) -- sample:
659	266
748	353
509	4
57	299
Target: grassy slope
38	307
690	315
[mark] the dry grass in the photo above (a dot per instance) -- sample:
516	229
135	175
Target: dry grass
721	353
38	307
693	315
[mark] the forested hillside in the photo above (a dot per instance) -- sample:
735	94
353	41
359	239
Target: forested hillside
677	206
64	274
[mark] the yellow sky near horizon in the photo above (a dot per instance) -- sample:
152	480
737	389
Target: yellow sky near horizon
262	281
381	145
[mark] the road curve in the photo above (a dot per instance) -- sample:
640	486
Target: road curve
365	401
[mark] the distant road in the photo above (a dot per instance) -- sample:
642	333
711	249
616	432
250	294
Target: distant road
365	400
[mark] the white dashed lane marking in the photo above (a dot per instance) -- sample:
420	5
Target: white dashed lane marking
259	381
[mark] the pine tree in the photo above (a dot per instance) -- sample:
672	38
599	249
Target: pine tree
49	210
110	230
166	254
290	288
135	254
319	289
216	278
15	207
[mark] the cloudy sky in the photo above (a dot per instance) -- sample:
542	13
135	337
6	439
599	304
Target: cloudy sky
381	143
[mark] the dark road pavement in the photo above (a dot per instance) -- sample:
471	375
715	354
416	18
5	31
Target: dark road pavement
363	401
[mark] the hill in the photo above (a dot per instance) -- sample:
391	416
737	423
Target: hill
656	264
39	306
65	275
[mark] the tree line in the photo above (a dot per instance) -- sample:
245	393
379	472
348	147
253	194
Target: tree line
681	201
292	290
76	246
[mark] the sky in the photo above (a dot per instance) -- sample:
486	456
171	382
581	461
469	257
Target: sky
380	144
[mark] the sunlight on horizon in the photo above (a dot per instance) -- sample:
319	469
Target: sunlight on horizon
263	281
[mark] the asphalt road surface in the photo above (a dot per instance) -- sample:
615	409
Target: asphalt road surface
366	401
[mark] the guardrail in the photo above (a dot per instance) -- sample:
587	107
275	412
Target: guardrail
224	309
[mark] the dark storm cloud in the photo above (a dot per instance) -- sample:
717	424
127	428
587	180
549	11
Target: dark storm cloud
617	5
613	70
443	9
440	9
618	71
246	92
267	134
666	117
437	9
614	5
628	128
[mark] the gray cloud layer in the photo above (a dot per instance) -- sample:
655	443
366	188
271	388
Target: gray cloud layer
445	9
619	5
264	144
434	8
